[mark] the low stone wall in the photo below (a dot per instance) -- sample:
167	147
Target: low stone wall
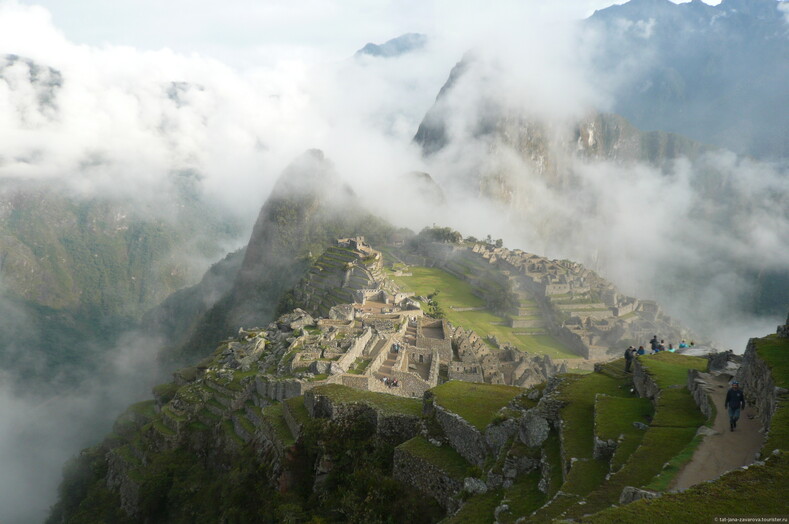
355	351
425	477
700	390
463	437
758	386
432	377
516	323
644	384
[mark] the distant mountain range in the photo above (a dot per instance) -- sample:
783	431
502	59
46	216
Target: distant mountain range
716	74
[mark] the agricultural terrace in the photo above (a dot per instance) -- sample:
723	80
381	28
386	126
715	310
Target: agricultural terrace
456	293
478	404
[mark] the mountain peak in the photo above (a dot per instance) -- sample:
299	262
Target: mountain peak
400	45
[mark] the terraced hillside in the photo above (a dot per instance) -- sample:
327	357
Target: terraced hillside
461	304
480	452
336	277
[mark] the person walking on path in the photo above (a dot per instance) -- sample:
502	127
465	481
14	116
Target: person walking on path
629	358
735	399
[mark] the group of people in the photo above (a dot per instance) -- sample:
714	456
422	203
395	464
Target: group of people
735	398
390	382
656	347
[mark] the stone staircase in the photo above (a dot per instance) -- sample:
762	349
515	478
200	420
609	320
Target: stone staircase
385	370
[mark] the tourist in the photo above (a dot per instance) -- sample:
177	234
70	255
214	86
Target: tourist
641	350
662	345
653	342
671	348
629	358
683	344
735	399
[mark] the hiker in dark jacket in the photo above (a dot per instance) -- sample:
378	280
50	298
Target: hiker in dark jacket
629	354
735	400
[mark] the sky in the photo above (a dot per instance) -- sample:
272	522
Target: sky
248	32
236	90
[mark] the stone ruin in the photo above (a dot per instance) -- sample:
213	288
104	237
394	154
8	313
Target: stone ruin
583	310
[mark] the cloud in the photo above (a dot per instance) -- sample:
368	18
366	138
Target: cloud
41	429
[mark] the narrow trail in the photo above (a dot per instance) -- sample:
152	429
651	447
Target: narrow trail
725	450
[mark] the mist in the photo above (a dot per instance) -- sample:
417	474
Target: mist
102	110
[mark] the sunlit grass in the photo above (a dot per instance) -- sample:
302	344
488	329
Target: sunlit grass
454	292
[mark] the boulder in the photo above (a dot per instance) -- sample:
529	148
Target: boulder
631	494
474	486
534	428
320	367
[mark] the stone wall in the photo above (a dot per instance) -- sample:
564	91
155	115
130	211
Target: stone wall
392	427
644	384
573	341
442	345
700	389
355	351
409	385
356	381
758	386
465	371
425	477
435	364
281	389
463	437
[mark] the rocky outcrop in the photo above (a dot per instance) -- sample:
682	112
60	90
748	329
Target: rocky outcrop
533	428
724	362
783	331
604	449
631	494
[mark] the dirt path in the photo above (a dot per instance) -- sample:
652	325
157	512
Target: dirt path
725	450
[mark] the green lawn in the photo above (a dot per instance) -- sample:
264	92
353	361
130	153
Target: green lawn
455	292
671	431
578	415
757	491
476	403
669	369
614	416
